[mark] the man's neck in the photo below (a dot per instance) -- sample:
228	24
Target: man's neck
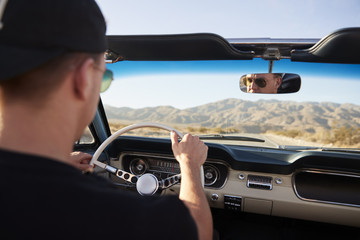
35	132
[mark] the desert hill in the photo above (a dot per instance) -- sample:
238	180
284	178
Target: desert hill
247	116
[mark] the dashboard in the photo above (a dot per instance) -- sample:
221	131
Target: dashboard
315	186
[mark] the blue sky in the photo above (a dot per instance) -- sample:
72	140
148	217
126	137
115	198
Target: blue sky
137	86
230	19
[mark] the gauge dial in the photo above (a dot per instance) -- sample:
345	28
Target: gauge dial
138	166
211	174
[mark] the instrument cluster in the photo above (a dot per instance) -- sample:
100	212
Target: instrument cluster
215	173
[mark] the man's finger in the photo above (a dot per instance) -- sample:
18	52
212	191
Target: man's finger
174	138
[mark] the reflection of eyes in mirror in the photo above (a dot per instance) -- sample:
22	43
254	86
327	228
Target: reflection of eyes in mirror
270	83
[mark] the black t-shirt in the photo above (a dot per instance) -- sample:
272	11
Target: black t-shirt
42	198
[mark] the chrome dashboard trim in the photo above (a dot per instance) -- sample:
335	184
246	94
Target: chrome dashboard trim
259	182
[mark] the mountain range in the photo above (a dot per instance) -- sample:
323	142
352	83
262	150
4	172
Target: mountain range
247	116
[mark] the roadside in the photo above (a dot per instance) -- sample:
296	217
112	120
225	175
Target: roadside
283	140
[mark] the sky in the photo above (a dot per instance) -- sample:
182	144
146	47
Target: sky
230	19
158	85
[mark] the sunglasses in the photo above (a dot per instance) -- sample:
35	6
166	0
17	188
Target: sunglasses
260	82
107	79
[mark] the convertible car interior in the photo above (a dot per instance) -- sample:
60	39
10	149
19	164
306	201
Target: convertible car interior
255	187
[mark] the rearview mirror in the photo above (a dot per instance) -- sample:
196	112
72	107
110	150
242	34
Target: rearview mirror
270	83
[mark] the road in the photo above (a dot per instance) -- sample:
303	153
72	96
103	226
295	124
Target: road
282	140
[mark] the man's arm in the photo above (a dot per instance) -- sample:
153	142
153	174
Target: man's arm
191	154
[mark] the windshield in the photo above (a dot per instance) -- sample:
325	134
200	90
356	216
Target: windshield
203	98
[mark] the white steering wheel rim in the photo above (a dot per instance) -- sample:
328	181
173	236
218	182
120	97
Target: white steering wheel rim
101	148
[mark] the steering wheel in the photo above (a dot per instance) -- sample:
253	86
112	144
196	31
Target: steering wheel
146	184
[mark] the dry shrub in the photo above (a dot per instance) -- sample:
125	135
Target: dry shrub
203	130
288	133
338	136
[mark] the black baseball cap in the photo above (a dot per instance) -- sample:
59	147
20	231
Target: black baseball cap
33	32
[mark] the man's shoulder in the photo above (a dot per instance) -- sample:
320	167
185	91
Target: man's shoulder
40	172
9	158
55	189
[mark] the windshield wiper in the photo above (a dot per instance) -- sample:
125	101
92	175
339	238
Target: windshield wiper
231	138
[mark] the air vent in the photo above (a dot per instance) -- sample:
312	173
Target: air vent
259	182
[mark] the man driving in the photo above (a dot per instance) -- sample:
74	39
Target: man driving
51	72
262	83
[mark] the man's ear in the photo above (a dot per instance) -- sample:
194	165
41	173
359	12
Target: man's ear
83	79
278	82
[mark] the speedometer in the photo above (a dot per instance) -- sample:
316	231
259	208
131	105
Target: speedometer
164	166
138	166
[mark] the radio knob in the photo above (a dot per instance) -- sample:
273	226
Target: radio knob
214	197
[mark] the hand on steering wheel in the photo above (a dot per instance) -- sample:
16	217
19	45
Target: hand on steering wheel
146	184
